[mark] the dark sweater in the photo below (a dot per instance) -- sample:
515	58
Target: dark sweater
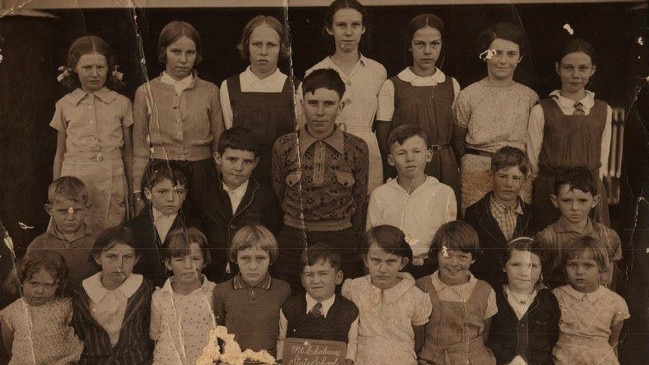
334	327
488	266
532	337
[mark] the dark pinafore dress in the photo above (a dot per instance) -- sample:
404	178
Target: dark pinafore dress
267	115
569	141
429	108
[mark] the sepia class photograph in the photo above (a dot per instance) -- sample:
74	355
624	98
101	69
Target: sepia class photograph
324	182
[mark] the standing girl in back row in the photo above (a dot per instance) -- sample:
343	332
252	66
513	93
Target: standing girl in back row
569	129
346	23
422	95
93	125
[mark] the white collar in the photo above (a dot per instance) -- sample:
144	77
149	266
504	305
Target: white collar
587	101
408	76
326	304
247	78
239	191
96	290
592	297
206	286
430	180
158	214
440	285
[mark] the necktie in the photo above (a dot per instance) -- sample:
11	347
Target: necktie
315	311
579	109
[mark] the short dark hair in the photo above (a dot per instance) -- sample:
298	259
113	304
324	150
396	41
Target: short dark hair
254	23
455	235
419	22
390	239
321	252
172	32
523	243
109	237
68	187
401	133
576	178
158	170
326	78
239	138
329	19
578	45
506	31
50	261
178	243
510	156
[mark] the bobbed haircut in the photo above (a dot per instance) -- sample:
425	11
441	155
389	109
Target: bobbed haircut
158	171
109	237
506	31
403	132
68	187
388	238
456	235
90	44
587	247
174	31
329	22
52	262
253	236
578	45
321	252
326	78
239	138
523	243
576	178
178	243
510	156
271	22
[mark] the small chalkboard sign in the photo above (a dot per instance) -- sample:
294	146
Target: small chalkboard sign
300	351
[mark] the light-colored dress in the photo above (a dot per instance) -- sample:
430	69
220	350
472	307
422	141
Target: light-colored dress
494	117
386	320
361	99
93	124
585	326
180	323
42	334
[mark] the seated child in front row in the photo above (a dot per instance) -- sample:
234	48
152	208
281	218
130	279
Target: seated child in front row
501	215
165	188
463	306
320	314
393	311
248	304
181	311
413	202
111	309
36	328
575	194
526	327
68	235
591	314
237	201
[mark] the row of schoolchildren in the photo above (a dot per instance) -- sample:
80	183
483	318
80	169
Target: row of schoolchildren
385	317
179	117
250	297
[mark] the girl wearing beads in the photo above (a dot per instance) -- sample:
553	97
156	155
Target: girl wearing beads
177	116
592	315
527	310
569	129
423	95
261	97
36	328
345	25
93	125
493	112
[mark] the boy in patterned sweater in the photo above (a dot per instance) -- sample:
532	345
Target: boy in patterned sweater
320	179
320	314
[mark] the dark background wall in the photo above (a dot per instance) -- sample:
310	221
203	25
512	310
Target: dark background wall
33	48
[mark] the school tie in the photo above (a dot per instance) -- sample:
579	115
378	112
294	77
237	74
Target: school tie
315	311
579	109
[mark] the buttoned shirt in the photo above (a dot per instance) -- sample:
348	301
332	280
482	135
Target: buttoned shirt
505	216
462	293
236	194
163	223
179	85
